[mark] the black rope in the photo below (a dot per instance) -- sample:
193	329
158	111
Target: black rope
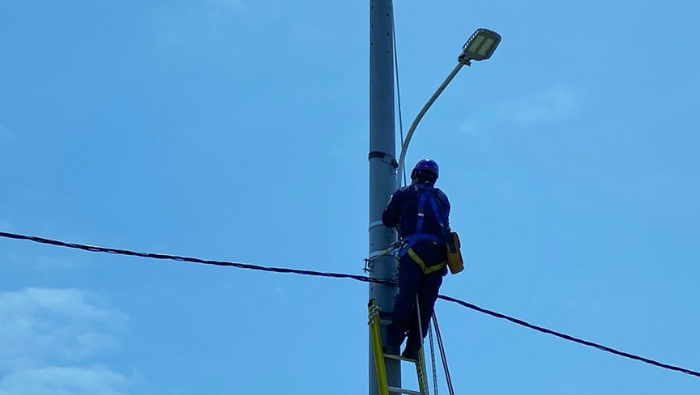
448	377
471	306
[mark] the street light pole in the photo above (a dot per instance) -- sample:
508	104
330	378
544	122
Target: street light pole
382	167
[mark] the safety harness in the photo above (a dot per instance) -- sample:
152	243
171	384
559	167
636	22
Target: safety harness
419	235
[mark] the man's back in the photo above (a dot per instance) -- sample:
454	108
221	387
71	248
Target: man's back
403	212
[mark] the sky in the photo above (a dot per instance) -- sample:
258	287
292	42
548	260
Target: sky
238	130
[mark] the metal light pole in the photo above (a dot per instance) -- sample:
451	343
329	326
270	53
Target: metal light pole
382	167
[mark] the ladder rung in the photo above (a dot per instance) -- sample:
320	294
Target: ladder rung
385	322
404	391
400	358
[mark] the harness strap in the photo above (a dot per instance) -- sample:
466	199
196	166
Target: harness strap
419	235
437	211
421	264
421	213
412	239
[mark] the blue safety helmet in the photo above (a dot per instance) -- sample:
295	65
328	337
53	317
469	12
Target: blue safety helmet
427	167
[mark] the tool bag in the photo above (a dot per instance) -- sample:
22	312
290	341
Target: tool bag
454	253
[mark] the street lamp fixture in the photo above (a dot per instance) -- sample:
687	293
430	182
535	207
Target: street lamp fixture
480	46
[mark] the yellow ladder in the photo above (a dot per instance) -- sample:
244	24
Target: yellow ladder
384	388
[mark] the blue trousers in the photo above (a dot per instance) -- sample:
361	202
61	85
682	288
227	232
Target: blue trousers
412	283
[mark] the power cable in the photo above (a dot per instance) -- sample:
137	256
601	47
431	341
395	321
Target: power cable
462	303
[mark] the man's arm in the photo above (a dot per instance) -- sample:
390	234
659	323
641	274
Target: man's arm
445	204
392	212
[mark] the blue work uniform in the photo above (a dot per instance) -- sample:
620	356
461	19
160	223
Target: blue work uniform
420	212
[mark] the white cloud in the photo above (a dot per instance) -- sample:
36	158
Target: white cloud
554	104
30	195
235	6
551	105
64	381
45	334
282	294
39	263
6	134
469	126
53	324
195	25
6	226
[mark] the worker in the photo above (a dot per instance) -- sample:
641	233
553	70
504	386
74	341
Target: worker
420	212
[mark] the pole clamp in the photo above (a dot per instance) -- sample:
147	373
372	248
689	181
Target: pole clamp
383	156
375	224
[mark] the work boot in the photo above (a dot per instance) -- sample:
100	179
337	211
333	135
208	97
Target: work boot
392	350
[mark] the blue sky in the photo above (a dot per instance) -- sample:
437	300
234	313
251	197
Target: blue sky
238	130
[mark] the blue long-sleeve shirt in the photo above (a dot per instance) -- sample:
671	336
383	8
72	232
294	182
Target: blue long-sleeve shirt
402	212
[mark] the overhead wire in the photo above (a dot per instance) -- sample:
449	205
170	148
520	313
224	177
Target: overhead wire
471	306
398	86
119	251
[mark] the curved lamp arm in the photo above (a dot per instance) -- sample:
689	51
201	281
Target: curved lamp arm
422	112
480	46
